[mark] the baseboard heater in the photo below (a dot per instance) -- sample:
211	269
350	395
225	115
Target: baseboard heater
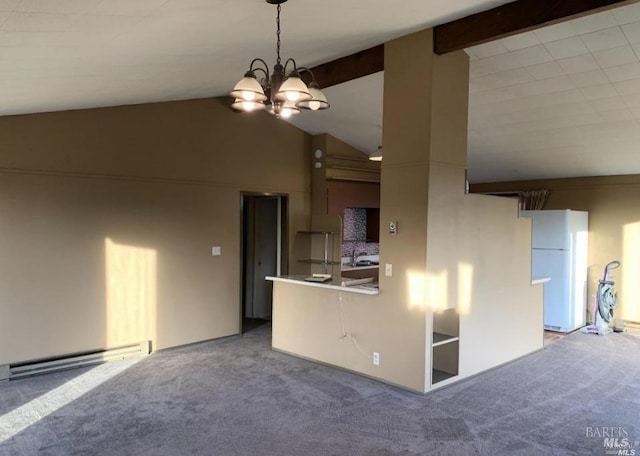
47	365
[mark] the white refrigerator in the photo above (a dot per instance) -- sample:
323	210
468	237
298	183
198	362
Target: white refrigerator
559	243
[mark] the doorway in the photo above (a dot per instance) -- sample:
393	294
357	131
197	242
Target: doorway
263	253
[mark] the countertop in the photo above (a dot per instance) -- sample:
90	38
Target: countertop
333	285
348	267
367	289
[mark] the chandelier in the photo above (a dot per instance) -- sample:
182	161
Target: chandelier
282	94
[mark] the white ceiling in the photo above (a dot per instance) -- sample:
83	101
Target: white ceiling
560	101
66	54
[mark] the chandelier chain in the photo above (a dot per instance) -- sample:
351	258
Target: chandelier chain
278	35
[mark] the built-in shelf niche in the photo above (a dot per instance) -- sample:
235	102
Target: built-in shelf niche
320	246
326	254
445	345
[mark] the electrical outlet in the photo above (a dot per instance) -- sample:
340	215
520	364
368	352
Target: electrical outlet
388	270
376	358
216	251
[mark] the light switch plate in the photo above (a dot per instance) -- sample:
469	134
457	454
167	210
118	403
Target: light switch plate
393	228
216	251
388	270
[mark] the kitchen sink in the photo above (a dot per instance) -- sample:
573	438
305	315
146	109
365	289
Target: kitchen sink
366	263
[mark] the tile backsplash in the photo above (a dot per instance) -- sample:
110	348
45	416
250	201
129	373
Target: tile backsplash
369	248
355	233
355	224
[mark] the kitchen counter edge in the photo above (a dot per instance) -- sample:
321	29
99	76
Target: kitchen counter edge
299	280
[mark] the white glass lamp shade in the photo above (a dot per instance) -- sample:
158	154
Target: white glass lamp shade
286	110
247	106
317	102
248	89
293	89
376	156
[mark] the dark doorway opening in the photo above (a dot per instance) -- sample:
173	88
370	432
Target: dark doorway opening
263	253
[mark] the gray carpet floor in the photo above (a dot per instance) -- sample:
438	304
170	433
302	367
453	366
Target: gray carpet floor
236	396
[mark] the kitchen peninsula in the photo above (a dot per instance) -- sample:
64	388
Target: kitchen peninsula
456	323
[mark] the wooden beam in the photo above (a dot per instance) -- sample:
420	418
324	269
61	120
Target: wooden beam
351	67
512	18
516	17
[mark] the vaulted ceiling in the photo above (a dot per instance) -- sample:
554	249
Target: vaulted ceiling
68	54
558	101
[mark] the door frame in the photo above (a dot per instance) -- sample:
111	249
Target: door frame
283	240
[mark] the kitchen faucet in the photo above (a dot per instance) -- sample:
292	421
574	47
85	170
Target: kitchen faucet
354	257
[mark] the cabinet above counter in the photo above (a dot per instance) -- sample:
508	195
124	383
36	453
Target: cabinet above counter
341	195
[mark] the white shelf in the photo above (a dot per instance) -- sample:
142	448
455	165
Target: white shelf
327	253
312	261
445	345
441	339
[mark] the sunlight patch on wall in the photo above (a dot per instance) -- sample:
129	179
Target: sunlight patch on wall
465	287
431	290
42	406
437	290
630	293
416	287
131	275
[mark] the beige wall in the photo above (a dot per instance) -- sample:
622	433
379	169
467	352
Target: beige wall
478	251
501	313
613	203
107	218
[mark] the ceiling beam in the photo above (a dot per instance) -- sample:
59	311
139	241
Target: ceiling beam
351	67
511	18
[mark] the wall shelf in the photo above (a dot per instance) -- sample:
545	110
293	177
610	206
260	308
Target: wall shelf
441	339
312	261
445	345
327	250
438	376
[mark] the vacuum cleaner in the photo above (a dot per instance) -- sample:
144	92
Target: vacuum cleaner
604	303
